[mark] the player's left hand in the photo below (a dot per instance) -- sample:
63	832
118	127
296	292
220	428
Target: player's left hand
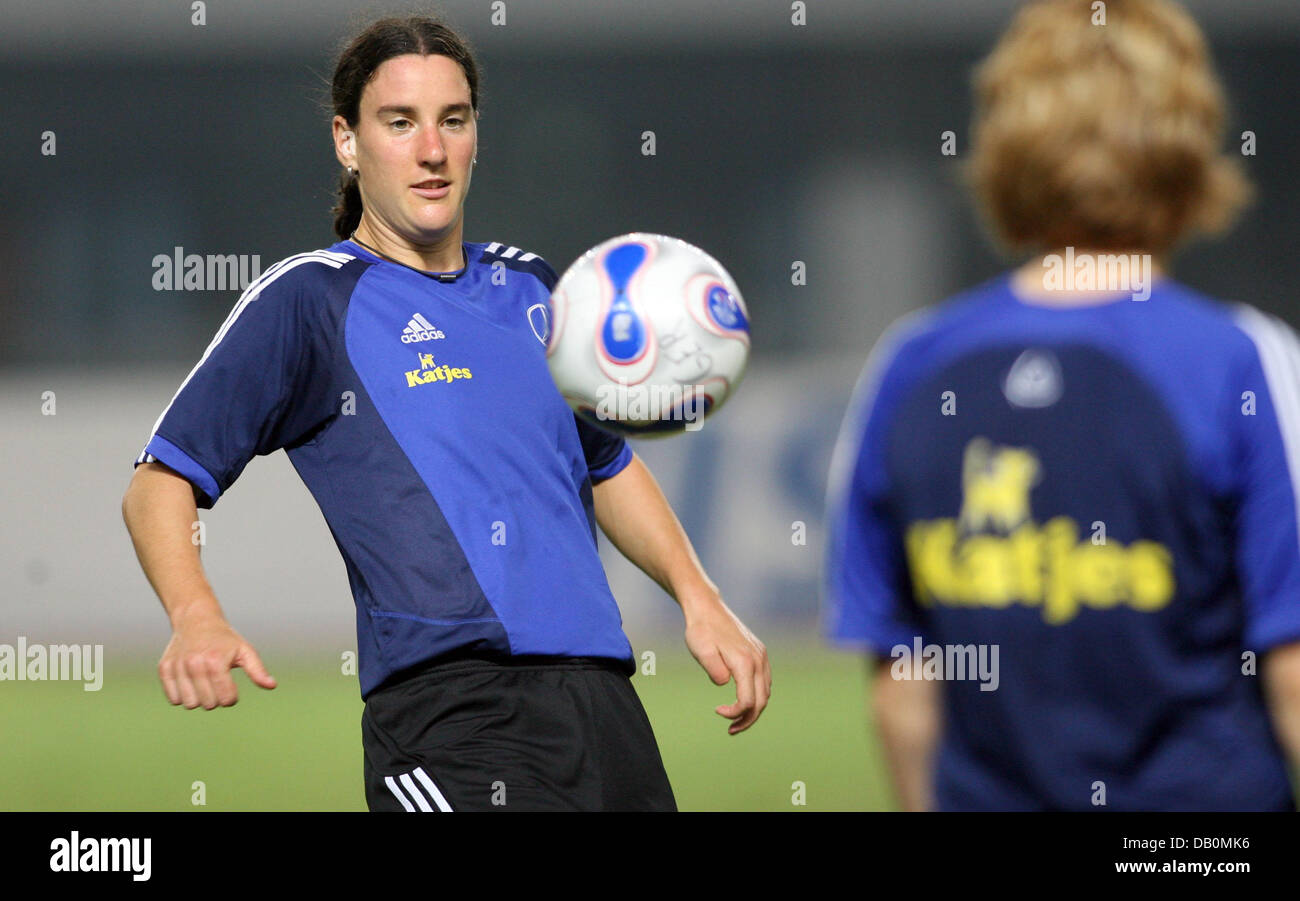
727	649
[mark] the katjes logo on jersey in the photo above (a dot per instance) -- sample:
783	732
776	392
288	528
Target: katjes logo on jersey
431	372
994	554
420	329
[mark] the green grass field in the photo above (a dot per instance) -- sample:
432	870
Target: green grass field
299	747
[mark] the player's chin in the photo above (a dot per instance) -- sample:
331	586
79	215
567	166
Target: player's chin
426	230
433	220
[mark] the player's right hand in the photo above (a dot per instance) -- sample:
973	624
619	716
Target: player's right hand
196	666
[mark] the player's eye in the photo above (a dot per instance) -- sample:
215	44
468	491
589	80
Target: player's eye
397	122
454	122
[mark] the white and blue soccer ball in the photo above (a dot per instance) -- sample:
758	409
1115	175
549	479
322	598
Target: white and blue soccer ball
649	335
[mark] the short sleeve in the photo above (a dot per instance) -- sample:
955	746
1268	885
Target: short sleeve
253	391
607	454
1268	505
865	583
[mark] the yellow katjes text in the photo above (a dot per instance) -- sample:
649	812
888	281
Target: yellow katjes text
1037	566
430	372
994	554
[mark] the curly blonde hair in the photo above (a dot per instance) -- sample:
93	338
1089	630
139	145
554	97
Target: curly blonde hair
1105	136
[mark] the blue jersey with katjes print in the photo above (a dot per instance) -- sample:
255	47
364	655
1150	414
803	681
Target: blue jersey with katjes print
1085	521
418	409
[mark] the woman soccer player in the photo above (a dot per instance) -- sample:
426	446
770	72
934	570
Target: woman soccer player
403	370
1064	505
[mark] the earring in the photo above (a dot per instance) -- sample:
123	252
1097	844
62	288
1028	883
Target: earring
474	162
352	173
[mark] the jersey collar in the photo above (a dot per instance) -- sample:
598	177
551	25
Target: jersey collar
440	276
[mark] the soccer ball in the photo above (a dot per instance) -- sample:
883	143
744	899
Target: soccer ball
649	335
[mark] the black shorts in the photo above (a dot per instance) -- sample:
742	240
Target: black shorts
512	734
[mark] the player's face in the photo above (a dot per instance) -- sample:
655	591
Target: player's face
415	142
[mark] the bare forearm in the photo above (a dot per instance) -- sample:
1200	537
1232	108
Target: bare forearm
637	518
160	513
634	514
1281	674
907	717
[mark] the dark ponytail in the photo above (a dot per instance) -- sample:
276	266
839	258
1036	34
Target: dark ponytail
347	210
356	65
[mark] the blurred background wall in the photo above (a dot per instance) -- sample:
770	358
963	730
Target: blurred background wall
776	144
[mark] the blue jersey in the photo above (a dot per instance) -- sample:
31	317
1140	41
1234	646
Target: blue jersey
1103	501
419	411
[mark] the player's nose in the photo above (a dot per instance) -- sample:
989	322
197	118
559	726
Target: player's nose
430	147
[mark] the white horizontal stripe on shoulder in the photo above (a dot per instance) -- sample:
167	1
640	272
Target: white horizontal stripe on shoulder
250	294
1279	357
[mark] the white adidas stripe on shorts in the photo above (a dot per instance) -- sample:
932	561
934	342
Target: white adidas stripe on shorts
403	785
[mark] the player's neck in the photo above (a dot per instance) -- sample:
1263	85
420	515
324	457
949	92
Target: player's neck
1075	276
446	255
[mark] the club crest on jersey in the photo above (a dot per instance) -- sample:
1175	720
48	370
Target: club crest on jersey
540	319
994	553
420	329
1034	380
430	372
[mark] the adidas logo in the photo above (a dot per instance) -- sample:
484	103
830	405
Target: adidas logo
420	329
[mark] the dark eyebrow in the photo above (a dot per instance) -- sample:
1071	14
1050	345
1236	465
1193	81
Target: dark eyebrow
410	111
